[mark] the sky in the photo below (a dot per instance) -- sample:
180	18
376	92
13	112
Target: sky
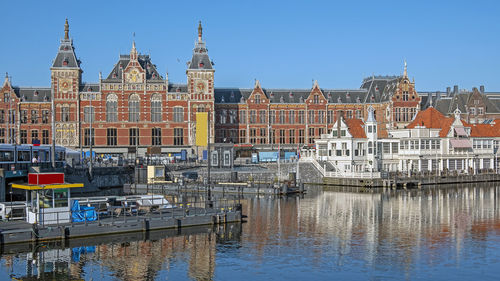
284	44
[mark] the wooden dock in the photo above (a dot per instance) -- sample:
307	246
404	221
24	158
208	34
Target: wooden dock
414	181
176	218
223	188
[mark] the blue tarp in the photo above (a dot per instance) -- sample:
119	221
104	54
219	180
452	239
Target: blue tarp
82	213
76	252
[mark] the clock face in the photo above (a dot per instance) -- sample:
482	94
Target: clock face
200	86
133	76
65	85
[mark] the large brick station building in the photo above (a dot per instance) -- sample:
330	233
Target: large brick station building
134	107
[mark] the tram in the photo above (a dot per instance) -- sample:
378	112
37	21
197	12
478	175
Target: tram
23	156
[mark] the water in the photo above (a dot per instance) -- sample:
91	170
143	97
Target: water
438	234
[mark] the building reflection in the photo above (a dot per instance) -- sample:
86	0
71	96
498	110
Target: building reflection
390	228
127	257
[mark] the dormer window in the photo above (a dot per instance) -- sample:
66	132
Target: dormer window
65	62
45	98
178	90
339	100
282	100
114	75
222	99
201	64
358	100
35	93
232	96
257	99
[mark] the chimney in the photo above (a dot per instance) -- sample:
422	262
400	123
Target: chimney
448	91
455	89
481	89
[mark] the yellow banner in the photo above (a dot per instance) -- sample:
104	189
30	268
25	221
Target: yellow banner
201	128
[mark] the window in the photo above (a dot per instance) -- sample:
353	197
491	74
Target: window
316	99
282	116
348	114
291	117
282	136
480	111
23	136
34	116
178	114
65	113
156	108
178	136
45	116
45	137
330	116
273	136
262	116
370	147
223	116
133	108
370	129
34	135
2	116
232	116
88	114
386	148
311	135
111	108
111	136
321	117
243	116
301	117
12	116
253	134
87	135
243	137
156	136
272	117
257	99
133	136
24	116
405	95
358	114
473	111
6	97
291	136
253	117
12	135
2	135
310	117
395	148
301	136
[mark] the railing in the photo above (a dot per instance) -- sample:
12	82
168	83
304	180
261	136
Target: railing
355	175
126	213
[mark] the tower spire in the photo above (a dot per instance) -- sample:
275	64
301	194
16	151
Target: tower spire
200	31
405	73
66	30
133	52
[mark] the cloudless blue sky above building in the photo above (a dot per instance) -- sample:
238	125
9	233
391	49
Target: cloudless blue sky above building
284	44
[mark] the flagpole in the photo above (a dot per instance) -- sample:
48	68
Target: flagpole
279	171
297	175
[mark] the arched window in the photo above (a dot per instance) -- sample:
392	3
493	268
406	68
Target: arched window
156	108
111	108
133	108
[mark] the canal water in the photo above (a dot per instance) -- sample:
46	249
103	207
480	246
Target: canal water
450	233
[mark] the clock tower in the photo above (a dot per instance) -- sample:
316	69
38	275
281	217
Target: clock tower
200	82
66	77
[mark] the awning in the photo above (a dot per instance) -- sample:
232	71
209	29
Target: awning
460	132
45	187
460	144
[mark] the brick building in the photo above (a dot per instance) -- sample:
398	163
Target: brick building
134	107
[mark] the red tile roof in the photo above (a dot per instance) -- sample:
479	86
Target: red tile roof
486	130
433	119
356	128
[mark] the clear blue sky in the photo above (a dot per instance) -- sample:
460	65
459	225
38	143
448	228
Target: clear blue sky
284	44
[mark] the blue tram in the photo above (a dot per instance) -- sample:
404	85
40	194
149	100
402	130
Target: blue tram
20	157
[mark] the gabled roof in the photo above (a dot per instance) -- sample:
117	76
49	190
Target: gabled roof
356	128
144	60
486	130
433	119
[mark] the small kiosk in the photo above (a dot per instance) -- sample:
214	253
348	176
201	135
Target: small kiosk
48	198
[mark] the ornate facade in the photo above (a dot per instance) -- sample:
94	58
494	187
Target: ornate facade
134	107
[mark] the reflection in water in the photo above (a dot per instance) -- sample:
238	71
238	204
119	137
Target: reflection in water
448	233
136	256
